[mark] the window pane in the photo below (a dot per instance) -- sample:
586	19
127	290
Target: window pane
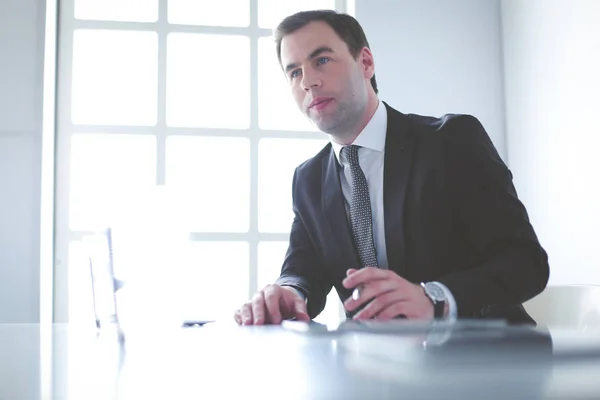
150	227
277	160
105	170
216	284
213	173
216	13
114	77
276	107
208	81
151	255
271	12
117	10
270	259
155	259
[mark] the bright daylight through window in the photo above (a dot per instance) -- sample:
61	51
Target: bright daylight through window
177	129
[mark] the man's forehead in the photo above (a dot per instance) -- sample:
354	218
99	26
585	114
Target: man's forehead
301	43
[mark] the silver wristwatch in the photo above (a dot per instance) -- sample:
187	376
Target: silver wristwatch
437	296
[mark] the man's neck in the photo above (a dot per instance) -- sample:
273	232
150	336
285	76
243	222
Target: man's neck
368	114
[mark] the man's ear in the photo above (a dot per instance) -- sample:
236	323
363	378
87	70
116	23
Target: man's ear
367	62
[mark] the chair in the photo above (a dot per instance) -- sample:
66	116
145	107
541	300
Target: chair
567	306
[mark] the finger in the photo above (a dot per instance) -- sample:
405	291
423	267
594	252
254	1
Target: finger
379	304
272	299
246	314
371	291
365	275
300	310
237	317
258	308
394	310
356	292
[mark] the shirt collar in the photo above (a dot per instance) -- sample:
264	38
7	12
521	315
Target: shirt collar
372	136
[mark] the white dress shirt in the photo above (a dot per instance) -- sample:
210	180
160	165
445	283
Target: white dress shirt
371	159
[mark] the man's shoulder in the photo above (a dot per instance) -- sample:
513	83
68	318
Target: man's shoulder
458	133
446	124
419	124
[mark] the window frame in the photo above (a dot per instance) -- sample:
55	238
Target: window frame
65	129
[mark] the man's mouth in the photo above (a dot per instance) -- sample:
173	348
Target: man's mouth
320	103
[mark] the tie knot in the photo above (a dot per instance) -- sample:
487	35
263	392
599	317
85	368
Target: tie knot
351	154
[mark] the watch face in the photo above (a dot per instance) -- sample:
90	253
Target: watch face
435	292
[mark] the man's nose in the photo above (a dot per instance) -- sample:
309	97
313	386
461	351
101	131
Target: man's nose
310	81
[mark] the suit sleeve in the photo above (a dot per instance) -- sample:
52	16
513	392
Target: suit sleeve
302	267
494	223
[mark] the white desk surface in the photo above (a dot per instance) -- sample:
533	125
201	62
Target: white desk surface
226	361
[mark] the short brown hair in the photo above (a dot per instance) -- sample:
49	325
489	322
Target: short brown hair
346	27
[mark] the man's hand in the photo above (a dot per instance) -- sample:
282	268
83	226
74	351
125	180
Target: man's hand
272	305
391	295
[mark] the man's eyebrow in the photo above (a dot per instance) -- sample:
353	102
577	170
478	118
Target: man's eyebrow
315	53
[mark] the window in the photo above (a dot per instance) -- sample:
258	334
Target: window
174	129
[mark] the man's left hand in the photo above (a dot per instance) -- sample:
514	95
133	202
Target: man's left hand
388	294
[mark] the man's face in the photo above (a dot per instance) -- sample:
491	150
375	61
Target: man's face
327	83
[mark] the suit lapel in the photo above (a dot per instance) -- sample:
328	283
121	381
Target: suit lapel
399	148
335	211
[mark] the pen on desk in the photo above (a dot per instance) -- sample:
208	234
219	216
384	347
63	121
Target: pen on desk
191	324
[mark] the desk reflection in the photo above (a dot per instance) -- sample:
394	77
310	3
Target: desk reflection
513	363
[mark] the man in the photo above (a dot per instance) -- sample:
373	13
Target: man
406	216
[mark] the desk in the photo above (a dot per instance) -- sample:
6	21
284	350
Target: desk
224	361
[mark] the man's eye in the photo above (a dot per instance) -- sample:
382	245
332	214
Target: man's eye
322	60
295	73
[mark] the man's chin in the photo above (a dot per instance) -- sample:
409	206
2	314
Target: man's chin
325	125
331	129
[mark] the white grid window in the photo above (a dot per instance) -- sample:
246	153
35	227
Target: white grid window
176	128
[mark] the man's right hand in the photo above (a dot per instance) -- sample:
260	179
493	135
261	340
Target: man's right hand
272	305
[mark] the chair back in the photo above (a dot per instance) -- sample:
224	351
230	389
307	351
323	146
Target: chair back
567	306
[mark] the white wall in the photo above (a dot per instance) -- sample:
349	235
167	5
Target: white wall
21	82
435	57
552	65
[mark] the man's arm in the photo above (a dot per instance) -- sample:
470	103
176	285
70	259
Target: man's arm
493	221
302	268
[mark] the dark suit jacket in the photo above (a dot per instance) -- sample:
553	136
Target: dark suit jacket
451	215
